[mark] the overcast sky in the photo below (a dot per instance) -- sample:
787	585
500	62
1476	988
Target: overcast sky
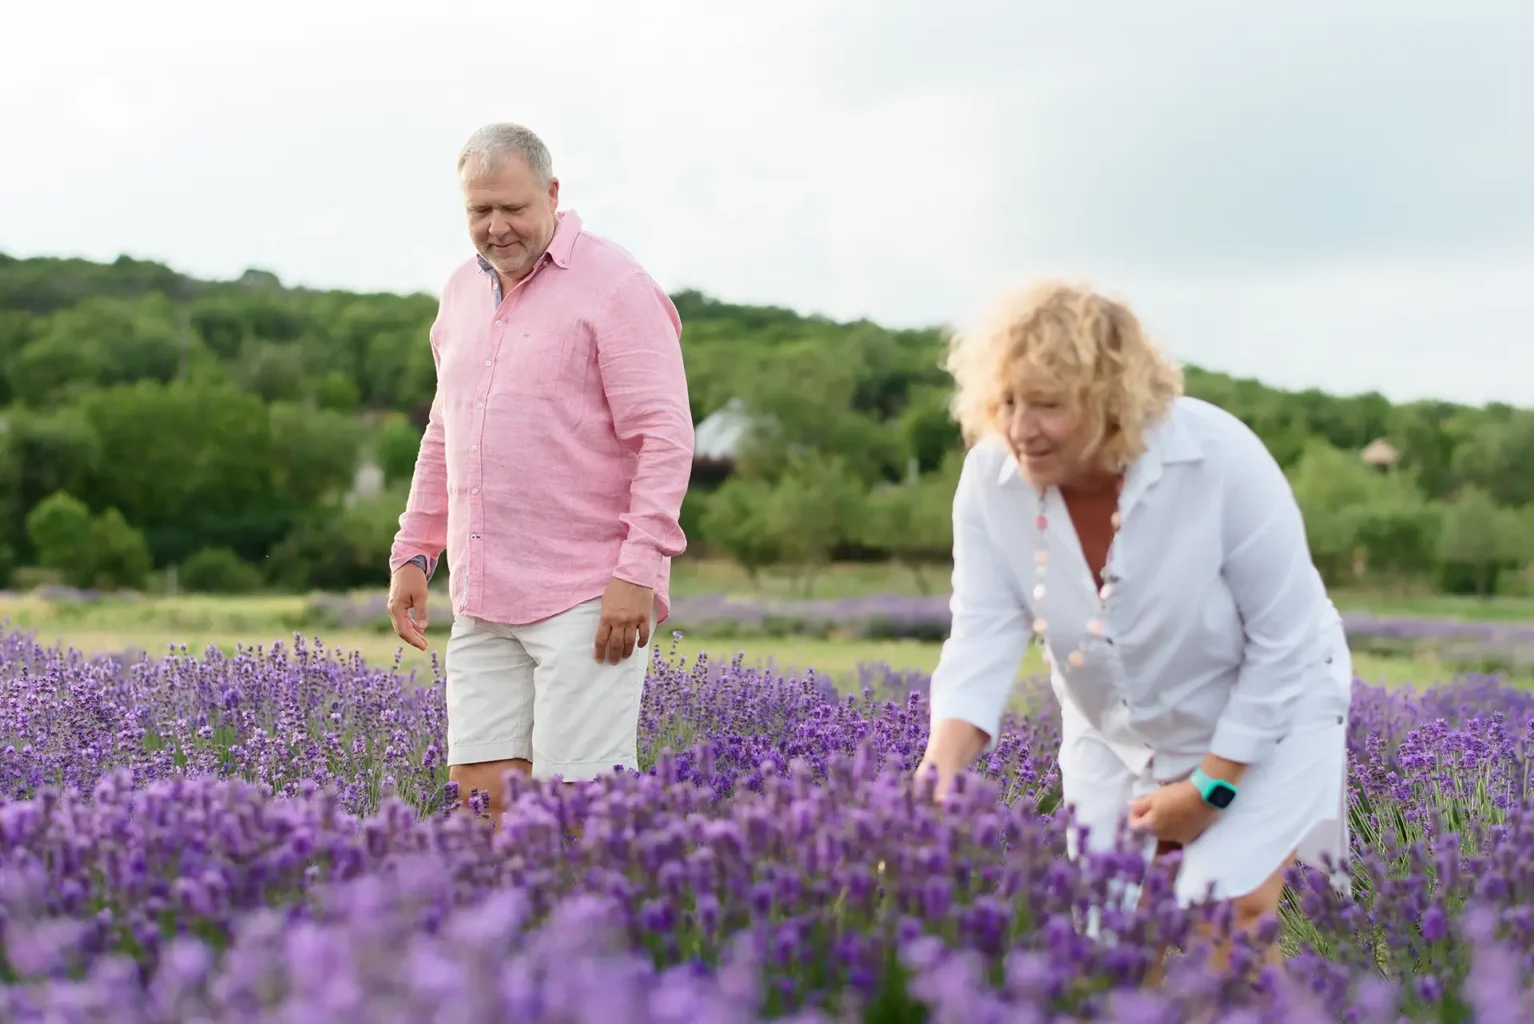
1336	193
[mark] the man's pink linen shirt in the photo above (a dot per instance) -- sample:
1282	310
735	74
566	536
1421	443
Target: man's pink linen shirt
559	445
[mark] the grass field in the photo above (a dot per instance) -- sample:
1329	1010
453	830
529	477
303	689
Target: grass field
154	625
852	580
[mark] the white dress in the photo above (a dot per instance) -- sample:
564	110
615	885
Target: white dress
1218	637
1292	802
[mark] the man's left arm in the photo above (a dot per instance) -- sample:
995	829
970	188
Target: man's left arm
639	354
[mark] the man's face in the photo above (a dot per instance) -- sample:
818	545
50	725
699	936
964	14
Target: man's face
511	214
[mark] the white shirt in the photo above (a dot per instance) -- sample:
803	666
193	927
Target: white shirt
1218	624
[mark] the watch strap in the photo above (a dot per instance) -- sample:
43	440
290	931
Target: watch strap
1217	793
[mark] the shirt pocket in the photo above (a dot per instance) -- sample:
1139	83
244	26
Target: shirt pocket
534	360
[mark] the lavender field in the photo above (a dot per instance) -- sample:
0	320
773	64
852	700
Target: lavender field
267	837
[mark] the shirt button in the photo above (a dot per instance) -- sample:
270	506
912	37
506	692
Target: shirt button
473	447
479	405
474	490
500	323
487	362
474	536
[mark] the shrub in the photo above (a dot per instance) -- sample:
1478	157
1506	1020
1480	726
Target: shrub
116	555
60	529
219	571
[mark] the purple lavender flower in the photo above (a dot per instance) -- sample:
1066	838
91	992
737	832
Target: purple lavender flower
266	836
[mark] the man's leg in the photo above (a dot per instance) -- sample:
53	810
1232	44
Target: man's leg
489	710
585	712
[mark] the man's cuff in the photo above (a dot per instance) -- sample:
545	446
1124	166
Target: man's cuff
428	565
638	565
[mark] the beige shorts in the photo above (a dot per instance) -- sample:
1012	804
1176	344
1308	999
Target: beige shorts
537	693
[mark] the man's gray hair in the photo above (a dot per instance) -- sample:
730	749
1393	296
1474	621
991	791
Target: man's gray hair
490	144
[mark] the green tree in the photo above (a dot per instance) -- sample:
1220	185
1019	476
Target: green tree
98	342
190	465
1478	540
116	555
399	443
802	402
48	450
337	392
813	510
1350	508
218	571
313	453
341	548
927	429
1331	486
1498	458
60	531
913	522
733	522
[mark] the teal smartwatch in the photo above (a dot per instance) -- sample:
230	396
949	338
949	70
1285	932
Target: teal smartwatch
1216	792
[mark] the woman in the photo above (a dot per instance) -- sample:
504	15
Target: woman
1153	546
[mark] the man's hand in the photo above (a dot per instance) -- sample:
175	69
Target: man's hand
1173	813
626	609
407	604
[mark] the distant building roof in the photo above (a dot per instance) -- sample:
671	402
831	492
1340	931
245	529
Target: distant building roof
718	438
1380	453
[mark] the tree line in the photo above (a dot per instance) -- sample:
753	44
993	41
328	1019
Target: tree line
150	421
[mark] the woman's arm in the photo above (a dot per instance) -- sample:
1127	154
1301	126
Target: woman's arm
1269	570
985	645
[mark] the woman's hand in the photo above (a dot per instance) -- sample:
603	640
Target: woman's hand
1176	813
952	745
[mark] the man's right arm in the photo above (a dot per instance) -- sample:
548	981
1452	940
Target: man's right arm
422	533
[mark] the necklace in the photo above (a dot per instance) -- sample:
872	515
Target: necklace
1096	624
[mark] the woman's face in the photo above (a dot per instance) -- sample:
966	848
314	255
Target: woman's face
1047	435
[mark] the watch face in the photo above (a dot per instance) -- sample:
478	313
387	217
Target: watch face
1220	795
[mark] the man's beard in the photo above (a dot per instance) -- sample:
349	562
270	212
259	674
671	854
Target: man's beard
520	260
510	264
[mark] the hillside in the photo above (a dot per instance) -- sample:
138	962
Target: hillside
230	417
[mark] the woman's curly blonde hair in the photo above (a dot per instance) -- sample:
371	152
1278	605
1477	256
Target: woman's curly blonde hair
1073	344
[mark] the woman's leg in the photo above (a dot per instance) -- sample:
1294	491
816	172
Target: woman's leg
1248	912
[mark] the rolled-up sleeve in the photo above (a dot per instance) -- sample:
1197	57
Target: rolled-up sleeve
1268	568
991	626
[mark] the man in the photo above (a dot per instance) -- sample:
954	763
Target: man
555	460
